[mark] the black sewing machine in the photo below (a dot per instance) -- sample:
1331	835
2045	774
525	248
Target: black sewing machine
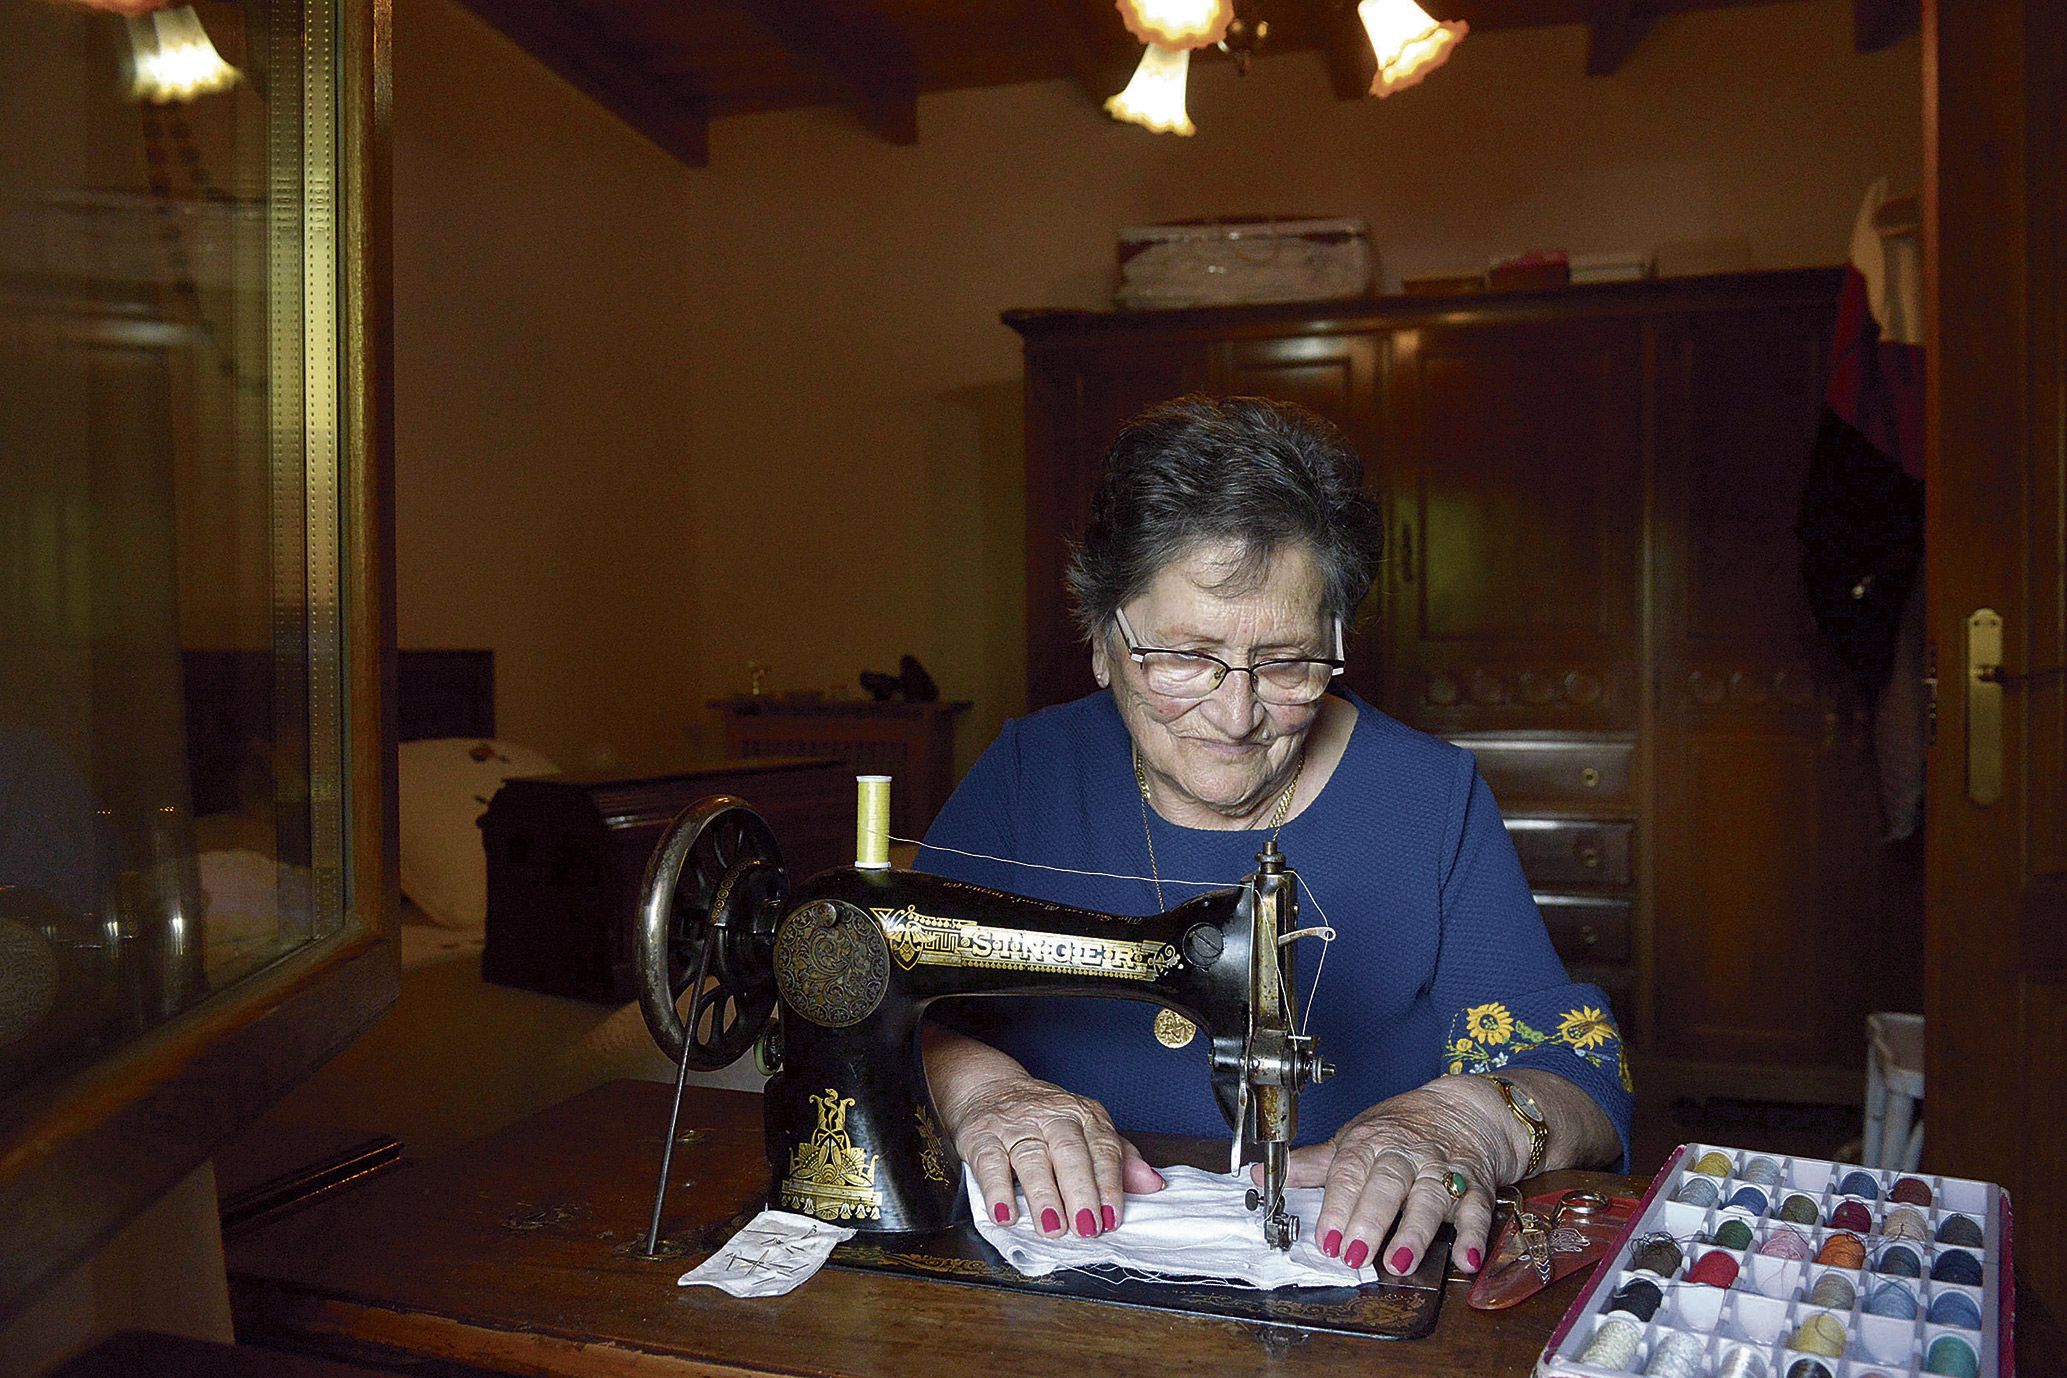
832	977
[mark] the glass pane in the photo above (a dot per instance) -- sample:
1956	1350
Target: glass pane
170	781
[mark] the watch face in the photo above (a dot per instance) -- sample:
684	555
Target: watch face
1524	1102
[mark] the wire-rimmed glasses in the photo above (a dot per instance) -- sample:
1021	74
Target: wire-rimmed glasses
1286	683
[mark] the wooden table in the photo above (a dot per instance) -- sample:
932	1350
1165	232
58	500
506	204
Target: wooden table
511	1256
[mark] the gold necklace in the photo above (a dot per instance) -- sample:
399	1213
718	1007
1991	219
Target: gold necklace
1172	1029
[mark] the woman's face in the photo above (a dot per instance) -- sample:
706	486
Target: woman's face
1221	760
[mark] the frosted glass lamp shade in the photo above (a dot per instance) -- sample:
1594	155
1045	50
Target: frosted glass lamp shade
1177	23
1154	99
173	59
1408	44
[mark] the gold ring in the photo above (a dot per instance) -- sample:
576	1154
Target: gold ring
1036	1140
1456	1183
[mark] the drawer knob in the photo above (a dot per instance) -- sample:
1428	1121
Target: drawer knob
1590	778
1589	935
1589	857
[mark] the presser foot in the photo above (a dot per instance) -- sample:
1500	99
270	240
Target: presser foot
1280	1227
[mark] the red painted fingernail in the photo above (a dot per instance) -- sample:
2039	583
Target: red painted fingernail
1111	1221
1161	1180
1358	1252
1402	1259
1001	1212
1051	1223
1471	1257
1331	1243
1087	1223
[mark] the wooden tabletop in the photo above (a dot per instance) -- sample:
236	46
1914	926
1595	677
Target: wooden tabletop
512	1255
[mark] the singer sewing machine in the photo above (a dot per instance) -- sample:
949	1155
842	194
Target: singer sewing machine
833	974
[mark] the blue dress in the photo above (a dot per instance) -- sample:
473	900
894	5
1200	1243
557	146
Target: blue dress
1441	963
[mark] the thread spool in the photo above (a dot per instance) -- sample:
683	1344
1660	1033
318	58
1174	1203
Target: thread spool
1955	1308
1911	1191
1714	1163
1639	1297
1749	1198
1892	1299
1956	1265
1905	1222
1786	1242
1716	1269
872	823
1613	1345
1659	1255
1678	1355
1960	1229
1697	1191
1808	1368
1858	1183
1952	1356
1742	1362
1763	1171
1732	1234
1843	1251
1899	1260
1835	1291
1822	1334
1799	1209
1852	1215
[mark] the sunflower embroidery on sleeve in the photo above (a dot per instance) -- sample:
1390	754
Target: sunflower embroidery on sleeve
1489	1036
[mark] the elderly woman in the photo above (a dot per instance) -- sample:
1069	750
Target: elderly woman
1229	545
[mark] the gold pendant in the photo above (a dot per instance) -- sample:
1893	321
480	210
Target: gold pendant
1173	1030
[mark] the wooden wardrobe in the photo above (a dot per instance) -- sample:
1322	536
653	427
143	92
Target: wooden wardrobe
1593	582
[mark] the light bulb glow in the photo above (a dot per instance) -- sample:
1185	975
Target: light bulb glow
1154	99
1407	43
172	58
1177	23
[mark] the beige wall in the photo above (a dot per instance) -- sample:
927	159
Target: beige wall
655	422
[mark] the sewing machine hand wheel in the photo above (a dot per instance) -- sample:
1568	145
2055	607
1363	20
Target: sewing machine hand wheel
707	912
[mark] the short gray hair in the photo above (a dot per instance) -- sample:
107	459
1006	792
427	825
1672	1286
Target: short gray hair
1265	475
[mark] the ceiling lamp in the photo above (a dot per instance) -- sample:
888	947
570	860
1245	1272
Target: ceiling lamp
1177	23
1408	44
172	58
1154	99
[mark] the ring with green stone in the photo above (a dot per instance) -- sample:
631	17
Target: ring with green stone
1455	1183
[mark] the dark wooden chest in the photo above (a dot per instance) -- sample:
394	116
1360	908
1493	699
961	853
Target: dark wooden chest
566	854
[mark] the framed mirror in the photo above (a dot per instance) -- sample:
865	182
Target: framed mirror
193	587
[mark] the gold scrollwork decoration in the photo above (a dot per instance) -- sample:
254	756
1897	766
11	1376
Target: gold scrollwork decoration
829	1177
927	940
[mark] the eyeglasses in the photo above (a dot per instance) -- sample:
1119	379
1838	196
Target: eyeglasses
1194	674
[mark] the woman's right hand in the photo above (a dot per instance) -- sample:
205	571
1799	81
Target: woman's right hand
1008	1125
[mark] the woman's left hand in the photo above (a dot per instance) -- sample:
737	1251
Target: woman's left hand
1391	1163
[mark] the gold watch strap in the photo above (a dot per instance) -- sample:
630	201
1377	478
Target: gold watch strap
1539	1132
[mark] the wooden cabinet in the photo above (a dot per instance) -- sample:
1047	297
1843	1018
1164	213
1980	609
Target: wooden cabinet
912	743
1592	582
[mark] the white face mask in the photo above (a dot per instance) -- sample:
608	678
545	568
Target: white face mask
773	1253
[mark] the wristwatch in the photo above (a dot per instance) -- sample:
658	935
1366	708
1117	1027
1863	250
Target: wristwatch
1531	1115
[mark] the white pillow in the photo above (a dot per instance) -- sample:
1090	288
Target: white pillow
445	784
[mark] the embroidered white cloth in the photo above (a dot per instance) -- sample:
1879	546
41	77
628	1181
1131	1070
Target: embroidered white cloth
1198	1226
773	1253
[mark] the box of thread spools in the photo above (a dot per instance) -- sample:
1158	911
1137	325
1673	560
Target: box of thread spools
1740	1264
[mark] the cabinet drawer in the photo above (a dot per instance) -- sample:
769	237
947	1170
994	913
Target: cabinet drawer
1557	852
1558	771
1587	928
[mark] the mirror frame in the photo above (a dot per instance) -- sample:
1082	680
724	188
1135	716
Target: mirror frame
83	1154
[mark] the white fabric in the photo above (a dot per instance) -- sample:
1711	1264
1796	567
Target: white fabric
443	787
773	1253
1199	1226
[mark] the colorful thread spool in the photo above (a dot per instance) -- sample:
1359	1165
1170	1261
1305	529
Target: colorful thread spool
1892	1299
1835	1291
1957	1265
1799	1209
1658	1255
1952	1356
1843	1251
1955	1308
1858	1183
1749	1198
1899	1260
1911	1191
1906	1222
1822	1334
1808	1368
1764	1171
1716	1269
1639	1297
872	822
1742	1362
1851	1215
1697	1191
1786	1242
1714	1164
1613	1345
1960	1229
1732	1234
1678	1355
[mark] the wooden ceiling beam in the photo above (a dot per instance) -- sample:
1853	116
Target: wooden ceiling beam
1612	35
862	53
1351	63
1098	50
1878	24
673	112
